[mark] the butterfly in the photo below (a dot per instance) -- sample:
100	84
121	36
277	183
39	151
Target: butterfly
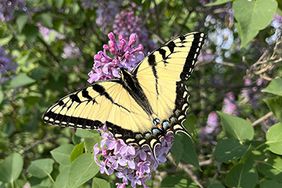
142	105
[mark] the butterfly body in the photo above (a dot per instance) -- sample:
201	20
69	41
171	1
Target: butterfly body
140	106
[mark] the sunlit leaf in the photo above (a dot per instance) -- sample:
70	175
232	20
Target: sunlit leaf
274	138
77	151
62	154
252	16
236	127
100	183
82	169
11	167
21	21
41	168
274	87
274	104
20	80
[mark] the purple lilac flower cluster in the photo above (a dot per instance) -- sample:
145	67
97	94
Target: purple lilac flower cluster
6	65
49	34
211	129
277	25
133	165
106	12
127	22
117	53
8	7
221	37
251	93
71	51
87	4
229	104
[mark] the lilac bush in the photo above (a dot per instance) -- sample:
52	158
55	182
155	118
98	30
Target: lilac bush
123	52
132	165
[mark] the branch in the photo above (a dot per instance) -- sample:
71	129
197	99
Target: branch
186	168
49	51
263	118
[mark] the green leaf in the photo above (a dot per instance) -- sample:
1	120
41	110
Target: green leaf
243	176
252	16
20	80
77	151
62	154
270	183
46	19
89	144
82	169
21	21
190	123
229	149
177	181
100	183
41	168
217	2
236	127
178	150
63	177
216	185
274	104
271	168
86	133
59	3
1	95
6	40
274	87
40	183
11	167
274	139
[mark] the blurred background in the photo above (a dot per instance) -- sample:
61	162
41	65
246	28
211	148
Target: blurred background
47	49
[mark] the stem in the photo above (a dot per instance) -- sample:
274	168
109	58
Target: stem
50	177
263	118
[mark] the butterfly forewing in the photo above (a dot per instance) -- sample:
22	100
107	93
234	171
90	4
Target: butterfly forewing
95	105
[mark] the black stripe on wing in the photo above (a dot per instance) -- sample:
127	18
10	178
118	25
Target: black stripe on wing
193	54
152	63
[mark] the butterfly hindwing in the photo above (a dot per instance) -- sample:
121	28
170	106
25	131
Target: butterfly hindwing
163	73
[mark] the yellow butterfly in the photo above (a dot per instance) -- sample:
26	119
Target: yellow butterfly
141	106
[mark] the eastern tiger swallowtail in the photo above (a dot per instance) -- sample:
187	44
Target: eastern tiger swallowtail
141	105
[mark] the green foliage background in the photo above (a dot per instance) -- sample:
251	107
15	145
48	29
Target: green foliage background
244	154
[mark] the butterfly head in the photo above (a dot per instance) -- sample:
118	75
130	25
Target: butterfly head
123	72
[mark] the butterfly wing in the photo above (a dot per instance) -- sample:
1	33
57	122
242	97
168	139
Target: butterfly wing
162	75
104	102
